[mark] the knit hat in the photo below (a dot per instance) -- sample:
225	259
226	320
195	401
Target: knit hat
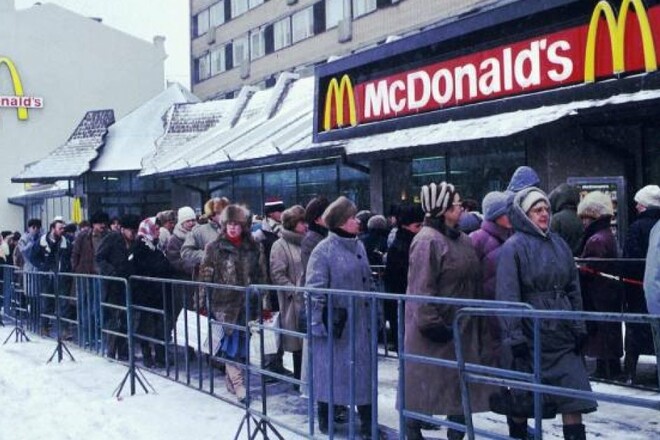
185	213
166	216
437	198
495	205
100	217
234	214
377	222
291	217
273	204
532	198
129	221
595	204
409	214
215	206
338	212
523	177
315	208
649	196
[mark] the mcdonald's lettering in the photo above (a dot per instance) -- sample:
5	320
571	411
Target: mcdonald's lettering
18	101
607	44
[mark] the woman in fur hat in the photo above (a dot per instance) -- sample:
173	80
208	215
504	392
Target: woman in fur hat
601	294
286	270
340	262
233	259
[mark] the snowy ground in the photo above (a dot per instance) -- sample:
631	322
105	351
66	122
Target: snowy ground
73	400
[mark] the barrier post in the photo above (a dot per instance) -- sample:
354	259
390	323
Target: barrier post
10	303
61	347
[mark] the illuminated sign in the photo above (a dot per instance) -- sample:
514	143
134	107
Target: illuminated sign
18	101
549	61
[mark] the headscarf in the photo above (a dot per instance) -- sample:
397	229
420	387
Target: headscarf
149	231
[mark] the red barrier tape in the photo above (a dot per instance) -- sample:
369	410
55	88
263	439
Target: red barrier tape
591	271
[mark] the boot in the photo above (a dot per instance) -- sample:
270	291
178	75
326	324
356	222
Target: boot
341	414
615	368
517	430
574	432
630	367
322	413
147	360
601	369
364	411
413	430
453	434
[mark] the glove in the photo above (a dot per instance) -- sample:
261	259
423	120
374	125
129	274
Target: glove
520	350
439	333
581	343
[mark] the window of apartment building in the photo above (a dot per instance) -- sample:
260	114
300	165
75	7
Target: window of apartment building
282	33
203	67
217	14
202	22
218	63
255	3
334	13
363	7
302	25
257	43
238	7
240	50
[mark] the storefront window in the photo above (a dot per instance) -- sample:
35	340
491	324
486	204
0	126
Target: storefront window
221	187
317	181
247	191
354	184
282	185
424	171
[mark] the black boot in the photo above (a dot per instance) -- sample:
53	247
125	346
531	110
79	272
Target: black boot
574	432
453	434
413	430
630	367
364	411
147	359
322	413
517	430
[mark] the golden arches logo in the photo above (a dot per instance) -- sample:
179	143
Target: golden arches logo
22	112
616	26
339	90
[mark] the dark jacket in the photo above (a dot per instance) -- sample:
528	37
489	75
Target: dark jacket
183	268
54	255
601	294
537	267
487	242
637	238
396	267
375	243
83	254
112	259
565	222
313	237
148	262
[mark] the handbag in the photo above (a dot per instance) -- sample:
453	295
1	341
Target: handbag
339	318
271	338
187	320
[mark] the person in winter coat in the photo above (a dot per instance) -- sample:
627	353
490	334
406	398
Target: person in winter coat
375	241
639	339
471	218
187	220
192	250
286	270
600	294
113	260
565	222
167	221
536	267
487	241
340	262
443	263
410	218
652	273
316	229
233	259
523	177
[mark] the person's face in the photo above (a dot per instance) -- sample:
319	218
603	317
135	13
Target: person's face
301	228
504	221
216	217
115	226
586	221
189	224
234	229
169	225
129	234
34	230
352	226
99	228
58	229
539	214
453	214
277	216
413	227
319	221
640	208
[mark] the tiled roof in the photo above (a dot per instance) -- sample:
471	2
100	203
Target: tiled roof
73	158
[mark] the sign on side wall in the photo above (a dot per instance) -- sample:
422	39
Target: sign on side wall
18	100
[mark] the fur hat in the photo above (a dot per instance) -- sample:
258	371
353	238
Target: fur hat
166	216
377	222
532	198
315	208
409	214
100	217
649	196
129	221
291	217
185	213
595	204
437	198
215	206
495	205
234	214
273	204
338	212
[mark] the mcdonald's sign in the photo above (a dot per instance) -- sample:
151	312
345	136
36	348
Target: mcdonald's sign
18	100
611	42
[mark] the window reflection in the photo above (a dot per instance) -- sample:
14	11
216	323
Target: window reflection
317	181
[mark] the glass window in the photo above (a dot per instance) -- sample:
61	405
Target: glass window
334	12
282	33
203	22
362	7
281	184
257	43
203	67
247	191
217	14
255	3
221	187
240	50
317	181
238	7
302	25
424	171
354	184
218	64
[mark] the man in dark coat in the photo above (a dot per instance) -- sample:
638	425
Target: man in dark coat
375	241
639	339
565	222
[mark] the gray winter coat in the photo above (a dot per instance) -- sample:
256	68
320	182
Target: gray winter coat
196	241
286	270
537	267
341	263
565	222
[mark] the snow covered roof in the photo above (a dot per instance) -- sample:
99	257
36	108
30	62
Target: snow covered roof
134	135
73	158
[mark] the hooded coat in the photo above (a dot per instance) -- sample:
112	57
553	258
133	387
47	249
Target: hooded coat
564	201
286	270
341	263
601	294
537	267
442	264
182	267
192	250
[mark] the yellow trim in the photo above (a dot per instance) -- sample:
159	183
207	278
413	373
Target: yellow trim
339	90
22	112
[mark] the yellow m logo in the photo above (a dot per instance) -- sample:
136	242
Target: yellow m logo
617	32
22	112
339	90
